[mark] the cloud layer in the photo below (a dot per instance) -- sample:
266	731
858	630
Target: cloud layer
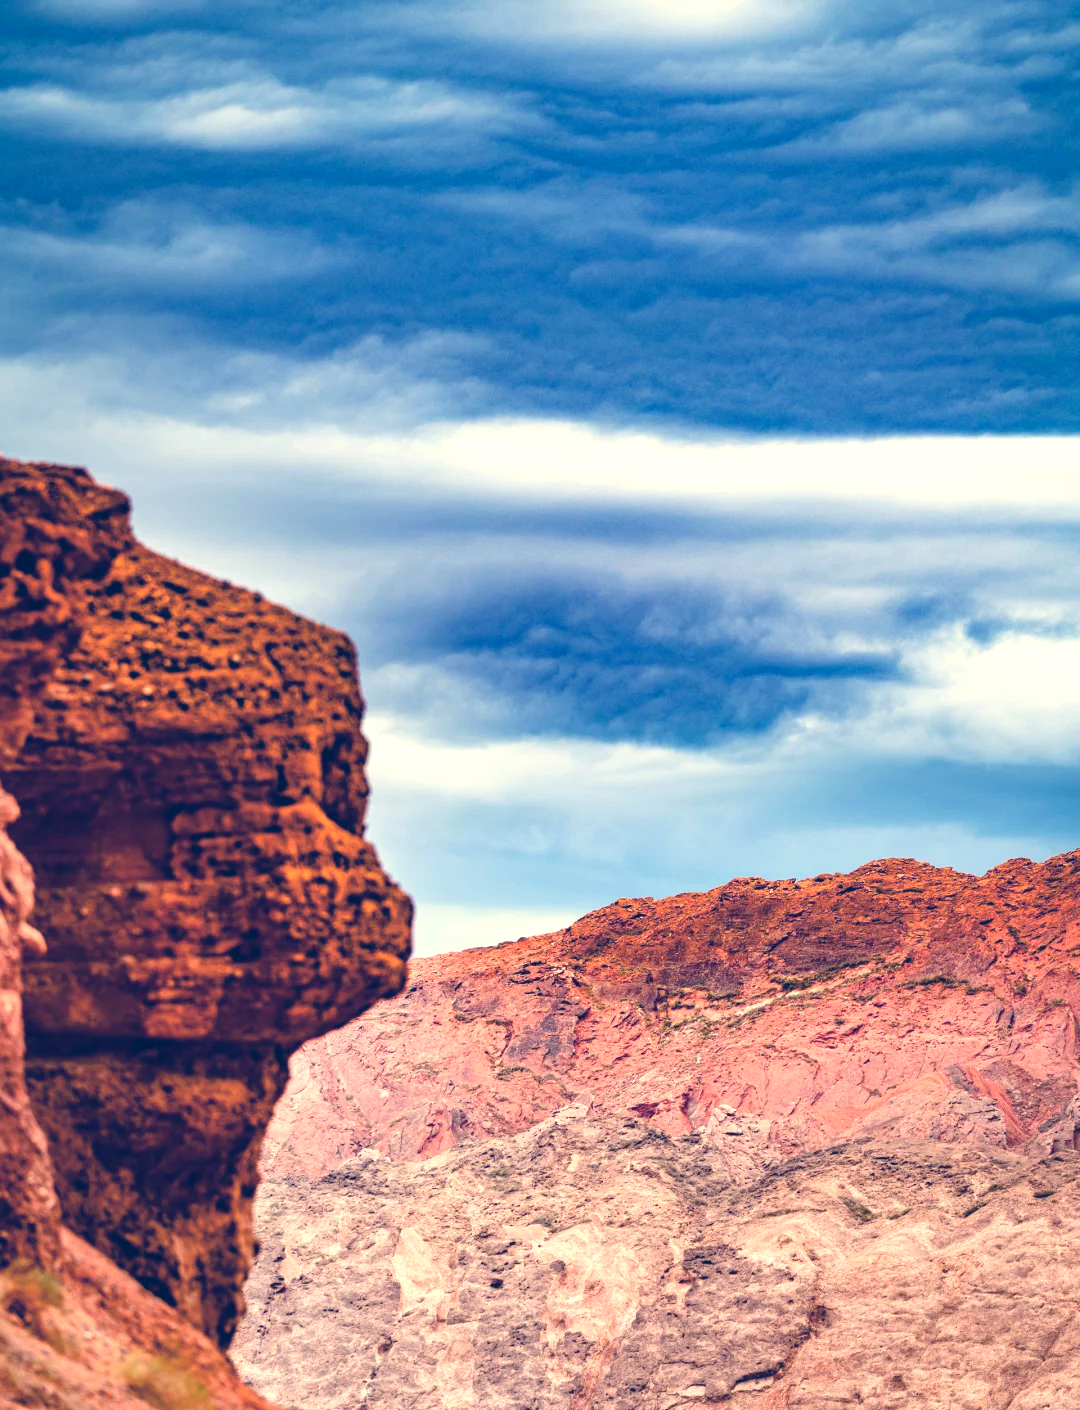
678	402
805	217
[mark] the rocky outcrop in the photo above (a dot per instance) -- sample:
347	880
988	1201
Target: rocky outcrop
75	1331
192	788
809	1142
59	534
596	1262
900	1000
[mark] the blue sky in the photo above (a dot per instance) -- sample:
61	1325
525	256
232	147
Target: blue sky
677	401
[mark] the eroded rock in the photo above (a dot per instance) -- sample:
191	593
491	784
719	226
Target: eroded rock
592	1261
817	1148
900	1000
192	785
59	533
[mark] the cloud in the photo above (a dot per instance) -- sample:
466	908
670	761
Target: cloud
260	113
607	662
441	928
922	124
1017	240
551	824
593	656
151	246
115	11
637	21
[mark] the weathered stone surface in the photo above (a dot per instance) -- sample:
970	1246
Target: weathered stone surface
818	1148
899	1000
193	793
88	1337
58	532
29	1210
591	1262
75	1332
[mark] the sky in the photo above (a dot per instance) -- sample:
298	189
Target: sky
676	400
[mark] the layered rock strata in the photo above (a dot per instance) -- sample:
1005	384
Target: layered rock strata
592	1261
900	1000
59	534
192	786
75	1332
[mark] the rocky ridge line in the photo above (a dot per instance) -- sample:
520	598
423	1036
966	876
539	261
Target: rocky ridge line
899	998
808	1142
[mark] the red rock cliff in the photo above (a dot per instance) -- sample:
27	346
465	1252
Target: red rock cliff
192	785
59	533
797	1144
901	999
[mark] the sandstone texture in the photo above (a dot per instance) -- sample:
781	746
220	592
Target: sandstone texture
812	1143
596	1262
190	769
900	1000
59	534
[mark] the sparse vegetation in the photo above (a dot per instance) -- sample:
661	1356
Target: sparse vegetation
164	1382
862	1212
32	1296
790	982
503	1074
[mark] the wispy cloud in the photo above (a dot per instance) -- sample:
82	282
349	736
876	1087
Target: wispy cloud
622	375
154	246
262	113
924	123
635	21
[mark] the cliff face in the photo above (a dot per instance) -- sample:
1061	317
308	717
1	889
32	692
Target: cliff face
901	999
592	1261
813	1142
190	770
59	534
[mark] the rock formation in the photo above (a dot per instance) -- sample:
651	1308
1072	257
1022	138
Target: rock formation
596	1262
901	998
812	1140
190	770
59	534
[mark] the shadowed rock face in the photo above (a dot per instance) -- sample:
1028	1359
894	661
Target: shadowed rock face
192	788
59	533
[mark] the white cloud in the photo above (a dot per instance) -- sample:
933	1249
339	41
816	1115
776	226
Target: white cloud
259	113
149	244
548	827
564	826
921	124
359	417
630	21
1014	699
441	928
115	11
945	50
1020	239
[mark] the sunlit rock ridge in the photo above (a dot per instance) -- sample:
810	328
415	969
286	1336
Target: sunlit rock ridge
812	1140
